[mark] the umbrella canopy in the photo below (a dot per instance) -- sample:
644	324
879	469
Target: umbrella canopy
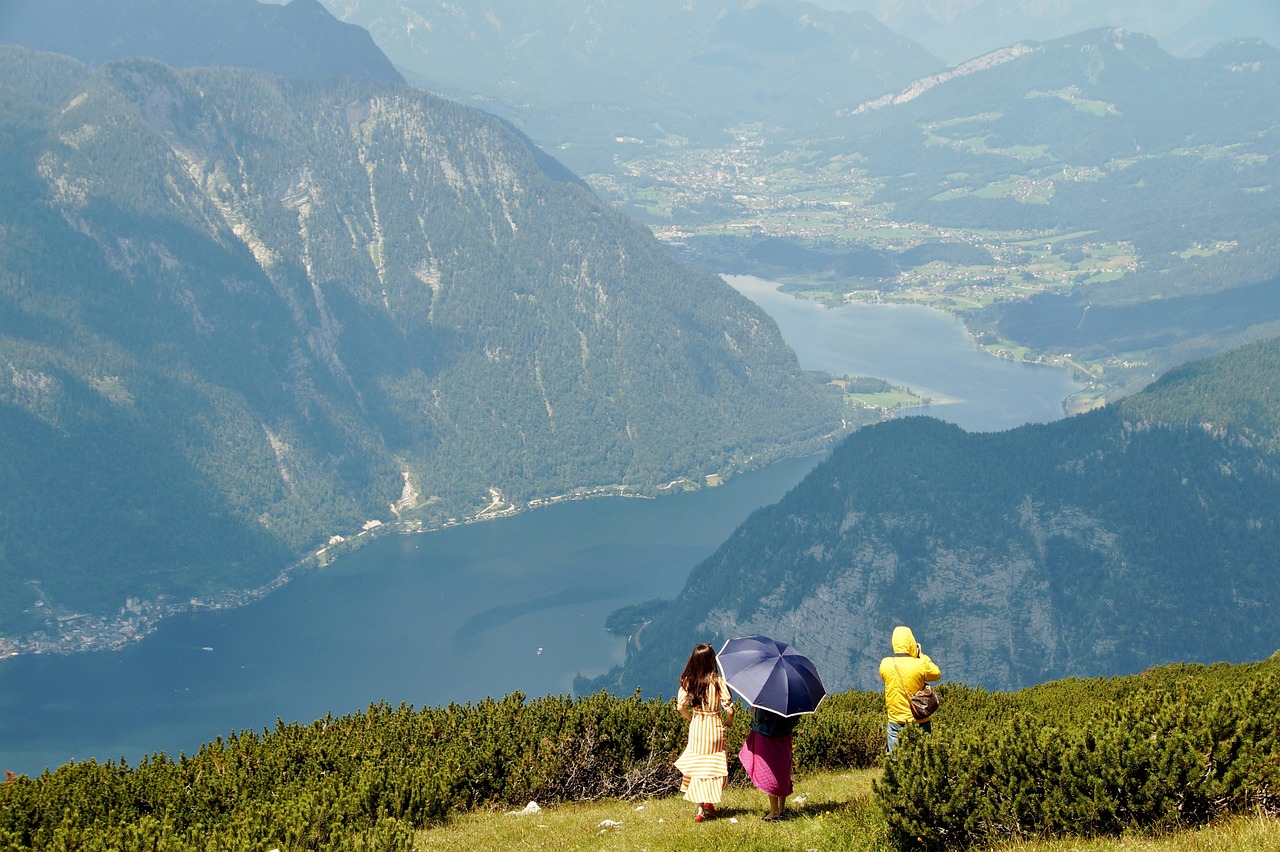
771	674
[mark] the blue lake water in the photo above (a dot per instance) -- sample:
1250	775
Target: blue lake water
477	610
481	609
924	349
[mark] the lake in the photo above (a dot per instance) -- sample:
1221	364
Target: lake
481	609
921	348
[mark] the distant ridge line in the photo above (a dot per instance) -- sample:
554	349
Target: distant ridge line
964	69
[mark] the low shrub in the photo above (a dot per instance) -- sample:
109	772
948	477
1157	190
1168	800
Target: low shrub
1160	751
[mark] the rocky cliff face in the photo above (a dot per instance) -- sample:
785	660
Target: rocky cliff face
992	616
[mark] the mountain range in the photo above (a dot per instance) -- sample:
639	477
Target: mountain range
588	80
1097	139
243	317
959	30
1092	140
1117	135
1141	533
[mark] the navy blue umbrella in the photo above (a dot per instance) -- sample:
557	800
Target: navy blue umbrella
771	674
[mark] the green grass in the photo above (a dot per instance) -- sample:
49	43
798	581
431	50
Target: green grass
1071	94
829	811
888	399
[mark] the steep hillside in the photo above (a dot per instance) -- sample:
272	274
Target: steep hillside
240	315
300	39
1141	533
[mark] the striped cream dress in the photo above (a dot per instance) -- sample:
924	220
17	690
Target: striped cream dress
704	763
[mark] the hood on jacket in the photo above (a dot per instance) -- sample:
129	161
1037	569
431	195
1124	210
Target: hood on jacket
904	641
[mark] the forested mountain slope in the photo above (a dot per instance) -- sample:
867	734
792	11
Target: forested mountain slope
1140	533
240	315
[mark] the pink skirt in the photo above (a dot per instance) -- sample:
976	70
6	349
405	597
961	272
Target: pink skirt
768	763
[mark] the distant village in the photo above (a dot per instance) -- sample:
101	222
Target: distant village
77	632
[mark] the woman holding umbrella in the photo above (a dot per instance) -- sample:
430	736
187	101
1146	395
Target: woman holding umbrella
704	764
781	685
766	756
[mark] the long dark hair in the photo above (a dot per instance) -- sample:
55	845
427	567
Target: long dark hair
700	676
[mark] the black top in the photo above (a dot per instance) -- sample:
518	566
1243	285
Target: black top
766	723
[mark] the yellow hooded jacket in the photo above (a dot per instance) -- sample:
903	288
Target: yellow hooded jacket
904	674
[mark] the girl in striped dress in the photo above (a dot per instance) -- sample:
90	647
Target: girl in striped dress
704	764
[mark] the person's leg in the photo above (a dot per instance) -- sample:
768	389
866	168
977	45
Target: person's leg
775	806
893	730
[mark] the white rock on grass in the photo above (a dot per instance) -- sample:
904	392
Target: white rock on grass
531	808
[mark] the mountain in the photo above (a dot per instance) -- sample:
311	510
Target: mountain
1098	145
959	30
1140	533
298	40
1103	130
588	80
241	315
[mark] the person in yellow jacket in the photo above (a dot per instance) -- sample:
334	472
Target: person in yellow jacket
904	674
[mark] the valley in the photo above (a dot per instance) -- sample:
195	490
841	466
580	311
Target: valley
1090	203
717	207
275	304
358	307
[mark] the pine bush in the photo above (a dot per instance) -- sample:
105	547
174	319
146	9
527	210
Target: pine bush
1161	751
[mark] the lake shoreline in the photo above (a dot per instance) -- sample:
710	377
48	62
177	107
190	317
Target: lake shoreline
142	618
84	633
